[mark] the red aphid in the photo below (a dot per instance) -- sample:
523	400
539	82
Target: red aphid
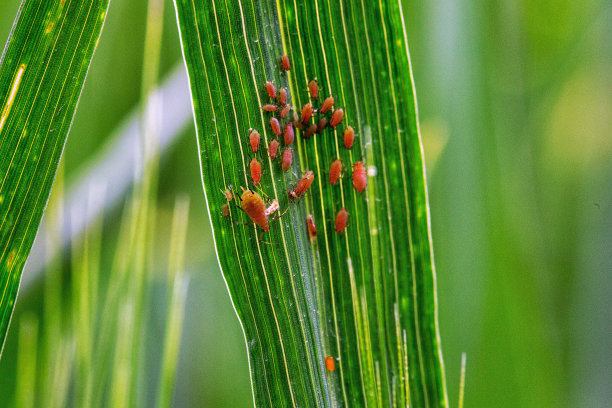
322	124
334	172
330	363
360	180
302	186
254	207
275	126
285	62
255	168
312	228
349	137
310	131
306	112
341	220
285	111
328	103
254	140
288	133
282	96
287	158
271	89
270	108
313	87
336	117
273	149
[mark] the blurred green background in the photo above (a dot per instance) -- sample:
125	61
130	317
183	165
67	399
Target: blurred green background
515	102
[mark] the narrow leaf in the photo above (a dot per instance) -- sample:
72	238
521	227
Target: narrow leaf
364	297
42	71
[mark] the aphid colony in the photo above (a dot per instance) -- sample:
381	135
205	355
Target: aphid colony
314	117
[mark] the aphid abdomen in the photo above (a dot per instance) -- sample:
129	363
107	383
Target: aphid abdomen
287	158
254	140
349	137
360	179
328	103
275	126
341	220
336	117
254	207
312	228
271	90
330	363
285	62
273	149
288	133
334	172
255	168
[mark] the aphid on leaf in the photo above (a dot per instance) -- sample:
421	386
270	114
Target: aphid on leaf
255	168
334	172
288	133
254	140
287	158
225	210
328	103
282	96
271	89
306	112
302	186
312	228
310	131
254	207
330	363
313	87
273	149
285	62
285	111
321	125
349	137
270	108
275	126
228	194
336	117
360	179
341	220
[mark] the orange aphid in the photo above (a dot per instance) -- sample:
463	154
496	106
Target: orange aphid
328	103
255	168
273	149
225	210
288	133
285	62
287	158
322	124
228	194
312	228
270	108
282	96
336	117
285	111
310	131
349	137
341	220
334	172
254	140
306	112
271	89
275	126
330	363
360	180
313	87
254	207
302	186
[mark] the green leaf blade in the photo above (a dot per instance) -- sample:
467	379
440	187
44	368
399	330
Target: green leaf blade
41	76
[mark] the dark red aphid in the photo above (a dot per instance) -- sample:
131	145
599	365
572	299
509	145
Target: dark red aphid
271	89
312	228
255	168
360	180
288	133
285	111
313	87
334	172
282	96
285	62
273	149
341	220
336	117
270	108
275	126
306	112
254	140
287	158
330	363
322	124
349	137
302	186
225	210
328	103
310	131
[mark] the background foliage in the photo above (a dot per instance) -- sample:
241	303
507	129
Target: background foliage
514	111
